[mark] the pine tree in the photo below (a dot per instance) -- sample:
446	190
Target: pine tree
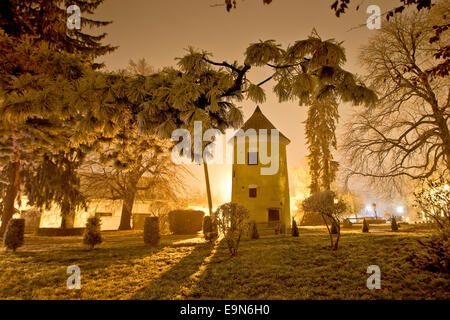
54	180
32	104
319	82
92	234
195	91
34	42
320	131
132	162
41	117
46	21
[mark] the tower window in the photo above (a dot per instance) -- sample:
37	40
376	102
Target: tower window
274	215
252	158
252	192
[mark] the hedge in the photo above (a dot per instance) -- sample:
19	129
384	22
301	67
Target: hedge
58	232
185	221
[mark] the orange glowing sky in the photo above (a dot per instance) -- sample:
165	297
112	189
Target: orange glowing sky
160	30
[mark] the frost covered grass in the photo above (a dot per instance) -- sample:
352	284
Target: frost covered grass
187	267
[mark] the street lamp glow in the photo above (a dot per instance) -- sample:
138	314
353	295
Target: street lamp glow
400	209
336	201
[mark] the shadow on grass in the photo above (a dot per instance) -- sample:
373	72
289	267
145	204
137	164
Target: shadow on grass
168	284
45	267
113	249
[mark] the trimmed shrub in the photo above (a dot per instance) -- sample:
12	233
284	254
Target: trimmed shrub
253	231
365	227
433	254
151	231
294	228
394	225
185	221
92	234
231	219
207	227
13	237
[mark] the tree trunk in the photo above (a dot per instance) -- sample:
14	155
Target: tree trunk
8	202
337	237
314	168
329	232
326	175
127	209
208	187
67	219
13	188
444	131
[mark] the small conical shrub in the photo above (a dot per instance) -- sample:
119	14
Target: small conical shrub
294	228
13	237
92	234
394	225
207	227
253	231
365	227
151	231
334	229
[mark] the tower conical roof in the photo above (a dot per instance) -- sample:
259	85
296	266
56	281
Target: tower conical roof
259	121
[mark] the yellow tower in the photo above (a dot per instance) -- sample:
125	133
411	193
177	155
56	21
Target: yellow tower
264	192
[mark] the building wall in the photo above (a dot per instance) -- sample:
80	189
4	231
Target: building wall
52	218
272	190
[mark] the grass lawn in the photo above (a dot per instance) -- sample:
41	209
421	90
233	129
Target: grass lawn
187	267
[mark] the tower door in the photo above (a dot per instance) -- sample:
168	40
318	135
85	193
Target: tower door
274	215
